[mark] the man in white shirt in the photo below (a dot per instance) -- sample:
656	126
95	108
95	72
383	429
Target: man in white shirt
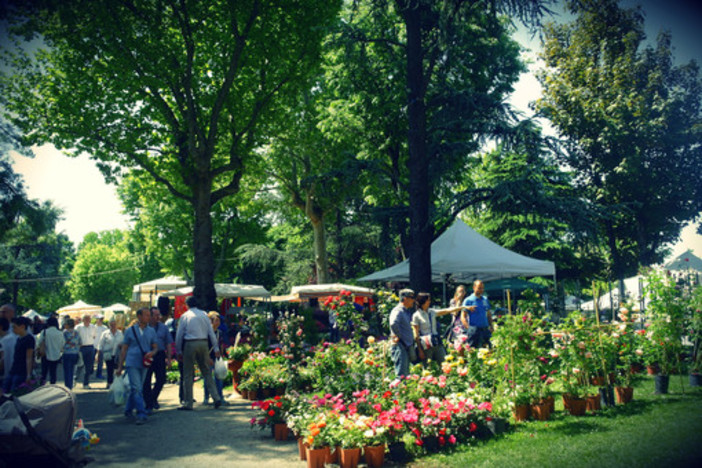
193	340
87	331
100	328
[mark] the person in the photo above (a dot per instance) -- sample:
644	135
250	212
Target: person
402	349
476	317
71	351
109	347
87	331
194	331
215	320
7	343
162	359
23	357
139	342
100	328
458	296
426	330
50	344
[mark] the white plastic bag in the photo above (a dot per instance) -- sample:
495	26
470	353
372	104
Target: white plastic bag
119	389
220	369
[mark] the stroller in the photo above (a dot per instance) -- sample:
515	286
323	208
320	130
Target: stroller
36	429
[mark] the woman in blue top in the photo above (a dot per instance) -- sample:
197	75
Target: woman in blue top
139	341
71	348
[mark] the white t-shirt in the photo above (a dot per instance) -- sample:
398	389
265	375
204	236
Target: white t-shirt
87	334
425	320
53	341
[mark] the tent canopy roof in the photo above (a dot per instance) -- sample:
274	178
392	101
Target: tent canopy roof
226	290
161	284
329	289
79	307
117	308
685	261
464	255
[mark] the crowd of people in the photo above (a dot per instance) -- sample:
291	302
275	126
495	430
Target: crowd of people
415	333
143	350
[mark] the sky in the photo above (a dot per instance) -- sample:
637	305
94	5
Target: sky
90	204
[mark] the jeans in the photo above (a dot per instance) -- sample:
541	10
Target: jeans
110	366
480	338
218	383
98	365
157	369
69	367
400	359
135	401
88	353
48	367
13	381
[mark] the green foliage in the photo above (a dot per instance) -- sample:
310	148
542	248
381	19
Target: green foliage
665	319
631	120
105	270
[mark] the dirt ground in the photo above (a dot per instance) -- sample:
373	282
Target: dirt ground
204	437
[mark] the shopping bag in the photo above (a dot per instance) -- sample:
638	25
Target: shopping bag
220	369
117	394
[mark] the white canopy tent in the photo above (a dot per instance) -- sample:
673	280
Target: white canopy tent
329	289
31	313
685	261
633	291
115	309
464	255
144	292
226	290
78	309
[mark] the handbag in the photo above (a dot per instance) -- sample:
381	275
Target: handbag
146	361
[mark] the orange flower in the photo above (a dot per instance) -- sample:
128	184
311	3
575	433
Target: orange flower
315	432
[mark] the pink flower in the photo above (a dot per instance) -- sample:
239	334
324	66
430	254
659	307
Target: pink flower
452	439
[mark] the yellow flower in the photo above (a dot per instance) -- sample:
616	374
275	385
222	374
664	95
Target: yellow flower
492	362
371	340
449	357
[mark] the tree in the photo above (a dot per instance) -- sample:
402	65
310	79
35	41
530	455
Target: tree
532	207
105	270
453	63
182	90
631	124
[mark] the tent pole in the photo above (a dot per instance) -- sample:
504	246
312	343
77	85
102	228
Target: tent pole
443	278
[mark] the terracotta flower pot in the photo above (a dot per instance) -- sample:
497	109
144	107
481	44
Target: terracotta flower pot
333	455
624	394
593	403
375	455
551	403
316	457
281	431
575	406
541	411
301	449
653	369
521	412
349	457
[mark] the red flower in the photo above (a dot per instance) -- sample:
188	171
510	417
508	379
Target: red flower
473	427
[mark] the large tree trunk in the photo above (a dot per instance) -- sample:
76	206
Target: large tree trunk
320	249
204	262
420	227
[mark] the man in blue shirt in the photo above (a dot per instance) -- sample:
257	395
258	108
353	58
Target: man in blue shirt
402	350
480	325
162	359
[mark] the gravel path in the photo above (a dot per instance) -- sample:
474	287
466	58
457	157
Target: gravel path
204	437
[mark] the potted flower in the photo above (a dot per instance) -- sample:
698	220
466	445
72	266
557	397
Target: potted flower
348	434
666	311
236	355
695	336
273	413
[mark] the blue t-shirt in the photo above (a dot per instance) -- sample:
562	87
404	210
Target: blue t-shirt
478	318
163	336
147	336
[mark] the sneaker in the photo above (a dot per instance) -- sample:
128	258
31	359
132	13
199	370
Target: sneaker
217	404
140	421
185	408
157	406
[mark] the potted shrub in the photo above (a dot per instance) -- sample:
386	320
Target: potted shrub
666	311
695	336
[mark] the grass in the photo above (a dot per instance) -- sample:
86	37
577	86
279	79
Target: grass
651	431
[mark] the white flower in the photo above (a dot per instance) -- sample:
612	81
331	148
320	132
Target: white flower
639	352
